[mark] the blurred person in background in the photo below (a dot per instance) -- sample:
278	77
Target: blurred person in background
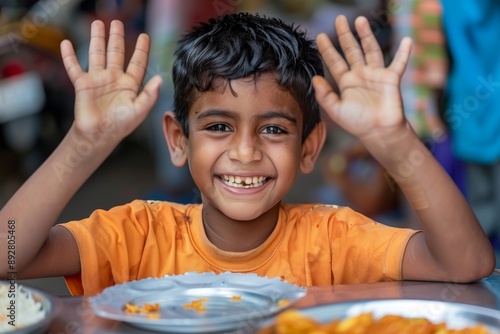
472	30
425	76
423	82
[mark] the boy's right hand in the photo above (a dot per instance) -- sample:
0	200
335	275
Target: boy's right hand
108	101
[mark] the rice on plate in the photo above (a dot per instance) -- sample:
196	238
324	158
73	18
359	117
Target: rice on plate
18	308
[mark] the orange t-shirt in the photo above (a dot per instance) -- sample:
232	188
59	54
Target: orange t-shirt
310	245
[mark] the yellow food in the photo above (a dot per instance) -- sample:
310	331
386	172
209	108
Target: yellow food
293	322
196	304
283	302
150	310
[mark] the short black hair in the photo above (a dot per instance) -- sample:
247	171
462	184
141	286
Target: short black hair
239	45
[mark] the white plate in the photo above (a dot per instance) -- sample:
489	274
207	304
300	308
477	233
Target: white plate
261	298
46	303
455	315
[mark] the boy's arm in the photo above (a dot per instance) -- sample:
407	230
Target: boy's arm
453	246
108	107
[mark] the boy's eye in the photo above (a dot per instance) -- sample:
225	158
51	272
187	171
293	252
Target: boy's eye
218	128
273	130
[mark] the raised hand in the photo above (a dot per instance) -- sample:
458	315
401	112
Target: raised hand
108	99
369	103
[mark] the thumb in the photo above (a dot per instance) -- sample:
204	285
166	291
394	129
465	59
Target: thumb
149	95
326	97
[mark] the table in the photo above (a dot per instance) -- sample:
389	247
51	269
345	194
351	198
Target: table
75	316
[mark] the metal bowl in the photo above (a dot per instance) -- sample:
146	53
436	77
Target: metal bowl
48	304
455	315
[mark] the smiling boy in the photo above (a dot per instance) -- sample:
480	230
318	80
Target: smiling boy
244	148
246	119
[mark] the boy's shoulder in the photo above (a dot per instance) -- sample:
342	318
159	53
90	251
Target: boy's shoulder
326	214
312	207
318	210
144	212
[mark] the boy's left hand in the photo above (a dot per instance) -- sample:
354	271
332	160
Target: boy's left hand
369	105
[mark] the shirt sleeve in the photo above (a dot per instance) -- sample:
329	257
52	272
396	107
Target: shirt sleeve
110	244
366	251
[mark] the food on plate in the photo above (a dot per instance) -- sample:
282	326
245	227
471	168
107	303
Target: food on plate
18	308
283	302
196	304
150	310
293	322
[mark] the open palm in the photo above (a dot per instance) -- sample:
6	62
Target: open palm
108	99
369	101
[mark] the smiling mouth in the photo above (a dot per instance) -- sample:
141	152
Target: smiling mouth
244	181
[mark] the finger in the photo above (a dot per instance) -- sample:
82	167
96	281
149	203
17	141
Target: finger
97	55
139	61
326	97
70	61
333	60
348	42
116	46
402	56
371	48
148	97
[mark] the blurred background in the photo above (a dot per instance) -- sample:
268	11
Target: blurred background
36	100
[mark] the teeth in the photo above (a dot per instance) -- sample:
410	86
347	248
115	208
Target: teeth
245	182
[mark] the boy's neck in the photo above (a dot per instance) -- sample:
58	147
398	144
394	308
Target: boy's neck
238	236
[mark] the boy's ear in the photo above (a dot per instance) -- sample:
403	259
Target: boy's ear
176	140
311	148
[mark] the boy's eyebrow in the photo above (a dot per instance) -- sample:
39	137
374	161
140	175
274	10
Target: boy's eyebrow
218	112
235	116
277	114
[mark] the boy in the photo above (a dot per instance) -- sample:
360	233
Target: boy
246	121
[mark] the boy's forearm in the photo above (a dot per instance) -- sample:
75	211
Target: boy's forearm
35	207
448	222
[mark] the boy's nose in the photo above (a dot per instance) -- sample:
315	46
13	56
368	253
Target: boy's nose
245	149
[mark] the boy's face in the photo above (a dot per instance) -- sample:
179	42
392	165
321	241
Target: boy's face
244	149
